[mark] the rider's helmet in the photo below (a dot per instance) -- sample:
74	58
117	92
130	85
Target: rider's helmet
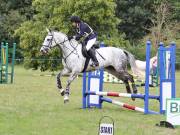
75	19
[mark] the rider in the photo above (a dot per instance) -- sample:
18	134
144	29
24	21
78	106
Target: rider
89	37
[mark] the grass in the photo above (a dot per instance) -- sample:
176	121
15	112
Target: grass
32	106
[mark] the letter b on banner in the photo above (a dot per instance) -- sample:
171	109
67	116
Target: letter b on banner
174	107
173	111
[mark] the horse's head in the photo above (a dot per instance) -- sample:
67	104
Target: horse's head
49	42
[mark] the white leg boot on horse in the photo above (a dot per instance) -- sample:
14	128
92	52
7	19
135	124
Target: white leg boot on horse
67	91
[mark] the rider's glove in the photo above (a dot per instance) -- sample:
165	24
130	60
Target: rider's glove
70	37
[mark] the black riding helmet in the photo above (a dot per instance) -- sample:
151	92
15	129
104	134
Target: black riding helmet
75	19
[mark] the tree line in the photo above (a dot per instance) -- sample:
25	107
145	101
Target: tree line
120	23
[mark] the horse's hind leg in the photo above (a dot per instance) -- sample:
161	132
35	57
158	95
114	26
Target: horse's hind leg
121	76
128	89
125	77
131	78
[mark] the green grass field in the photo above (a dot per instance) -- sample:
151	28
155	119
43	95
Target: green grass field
32	106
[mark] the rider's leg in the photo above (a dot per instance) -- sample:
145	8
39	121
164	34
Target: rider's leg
91	52
84	50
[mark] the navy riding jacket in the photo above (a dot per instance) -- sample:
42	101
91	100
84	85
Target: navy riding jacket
84	30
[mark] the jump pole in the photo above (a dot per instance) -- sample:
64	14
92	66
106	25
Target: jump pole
4	63
121	104
13	62
117	94
167	80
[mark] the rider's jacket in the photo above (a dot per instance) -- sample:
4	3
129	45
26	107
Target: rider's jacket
84	30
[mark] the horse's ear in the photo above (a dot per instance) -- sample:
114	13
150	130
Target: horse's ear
47	30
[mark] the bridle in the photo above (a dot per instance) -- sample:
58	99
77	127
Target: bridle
62	43
50	42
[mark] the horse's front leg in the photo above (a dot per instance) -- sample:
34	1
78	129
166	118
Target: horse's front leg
69	81
59	85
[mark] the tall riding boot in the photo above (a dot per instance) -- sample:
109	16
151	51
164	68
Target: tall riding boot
91	53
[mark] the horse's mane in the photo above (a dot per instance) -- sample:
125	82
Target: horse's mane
60	33
73	41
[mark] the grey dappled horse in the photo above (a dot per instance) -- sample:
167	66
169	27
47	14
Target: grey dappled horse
115	61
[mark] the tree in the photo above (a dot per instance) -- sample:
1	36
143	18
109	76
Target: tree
134	17
56	13
175	9
12	14
165	26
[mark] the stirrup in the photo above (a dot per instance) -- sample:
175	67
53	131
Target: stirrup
97	64
94	64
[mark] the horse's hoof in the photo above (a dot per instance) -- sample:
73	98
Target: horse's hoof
135	91
62	92
66	99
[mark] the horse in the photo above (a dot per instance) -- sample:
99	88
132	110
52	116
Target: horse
113	60
141	66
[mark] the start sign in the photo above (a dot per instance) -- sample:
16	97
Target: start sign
106	128
173	111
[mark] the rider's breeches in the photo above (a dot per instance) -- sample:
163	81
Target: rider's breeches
90	43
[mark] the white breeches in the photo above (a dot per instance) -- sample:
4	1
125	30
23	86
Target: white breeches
90	43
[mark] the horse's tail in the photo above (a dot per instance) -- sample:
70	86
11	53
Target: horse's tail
132	61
